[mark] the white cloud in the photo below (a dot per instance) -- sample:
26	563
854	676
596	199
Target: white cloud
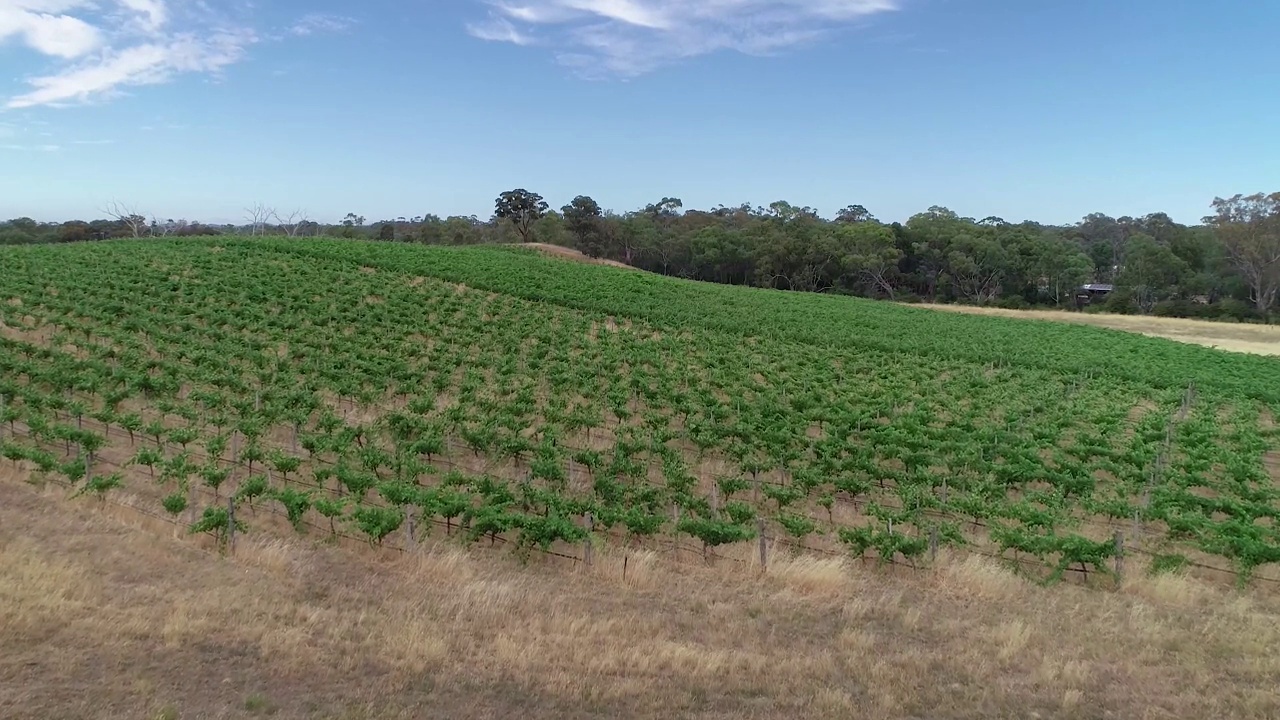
144	64
317	23
96	48
154	13
630	37
43	28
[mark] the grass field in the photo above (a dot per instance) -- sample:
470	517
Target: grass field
323	402
1233	337
103	615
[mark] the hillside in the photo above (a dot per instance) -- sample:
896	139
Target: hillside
358	384
395	400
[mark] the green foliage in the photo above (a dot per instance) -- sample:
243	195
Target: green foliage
714	533
797	526
296	503
377	522
174	503
252	488
217	522
100	485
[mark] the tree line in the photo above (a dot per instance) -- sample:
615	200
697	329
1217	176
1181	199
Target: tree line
1226	267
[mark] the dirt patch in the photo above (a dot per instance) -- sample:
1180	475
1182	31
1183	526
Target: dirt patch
564	253
417	281
1234	337
1271	461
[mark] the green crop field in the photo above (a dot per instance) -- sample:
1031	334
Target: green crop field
491	393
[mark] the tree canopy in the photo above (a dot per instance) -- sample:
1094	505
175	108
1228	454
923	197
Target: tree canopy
1227	266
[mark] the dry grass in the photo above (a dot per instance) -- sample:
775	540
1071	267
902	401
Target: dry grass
103	618
1235	337
565	253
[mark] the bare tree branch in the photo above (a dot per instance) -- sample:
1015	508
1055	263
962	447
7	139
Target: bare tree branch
291	223
258	215
127	215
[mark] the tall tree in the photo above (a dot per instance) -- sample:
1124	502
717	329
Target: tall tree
1249	228
1060	267
1104	238
583	218
976	263
870	251
931	234
522	208
1151	271
854	214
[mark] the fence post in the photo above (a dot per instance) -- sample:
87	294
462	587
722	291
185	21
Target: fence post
88	462
231	525
1119	540
933	543
764	549
589	521
410	539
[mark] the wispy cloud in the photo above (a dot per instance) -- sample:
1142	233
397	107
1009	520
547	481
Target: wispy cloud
498	29
144	64
31	148
97	48
92	142
107	45
630	37
321	23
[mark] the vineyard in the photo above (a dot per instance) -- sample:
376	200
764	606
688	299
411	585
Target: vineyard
493	395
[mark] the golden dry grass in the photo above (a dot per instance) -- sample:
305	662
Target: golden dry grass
1235	337
566	253
101	617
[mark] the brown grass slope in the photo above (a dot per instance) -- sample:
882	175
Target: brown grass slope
1235	337
104	616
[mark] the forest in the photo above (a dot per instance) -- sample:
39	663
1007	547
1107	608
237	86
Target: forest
1226	267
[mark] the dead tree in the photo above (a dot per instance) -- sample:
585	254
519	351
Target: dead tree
128	216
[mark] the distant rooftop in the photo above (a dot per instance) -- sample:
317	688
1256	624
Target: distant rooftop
1099	288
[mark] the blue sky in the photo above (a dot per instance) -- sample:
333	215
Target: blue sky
197	109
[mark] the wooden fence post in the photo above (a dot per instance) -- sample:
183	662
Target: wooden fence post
231	525
933	543
88	463
589	521
764	548
1119	540
410	539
